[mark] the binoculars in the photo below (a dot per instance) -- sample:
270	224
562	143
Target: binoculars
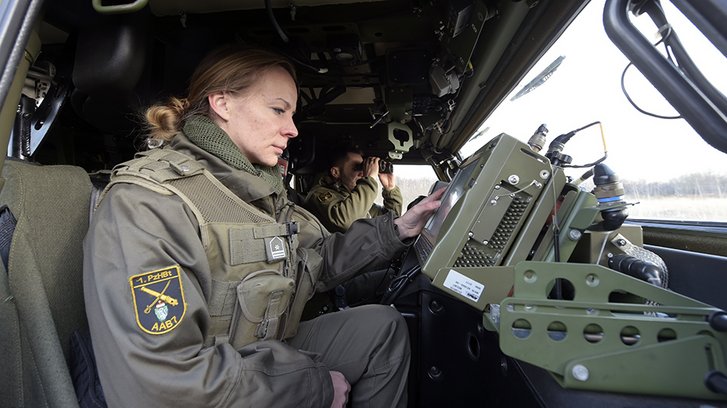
384	167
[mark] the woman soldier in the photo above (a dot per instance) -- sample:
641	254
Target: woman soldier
197	267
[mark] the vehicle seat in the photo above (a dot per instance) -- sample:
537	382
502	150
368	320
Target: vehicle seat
50	205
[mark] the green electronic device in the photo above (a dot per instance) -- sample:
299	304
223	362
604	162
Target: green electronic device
496	212
484	207
511	229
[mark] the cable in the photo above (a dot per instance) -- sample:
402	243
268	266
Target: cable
532	183
556	245
669	30
565	138
589	125
585	176
686	66
311	67
382	280
397	285
284	38
556	229
582	166
603	246
626	94
274	22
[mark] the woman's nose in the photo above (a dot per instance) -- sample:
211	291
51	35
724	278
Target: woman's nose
290	130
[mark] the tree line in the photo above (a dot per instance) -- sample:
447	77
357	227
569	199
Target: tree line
696	184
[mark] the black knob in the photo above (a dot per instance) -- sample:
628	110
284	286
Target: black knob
716	381
718	321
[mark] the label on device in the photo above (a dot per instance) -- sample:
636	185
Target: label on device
463	285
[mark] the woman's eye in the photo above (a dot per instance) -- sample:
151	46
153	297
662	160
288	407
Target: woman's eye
279	111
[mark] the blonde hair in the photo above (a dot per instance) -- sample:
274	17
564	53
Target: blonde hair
229	69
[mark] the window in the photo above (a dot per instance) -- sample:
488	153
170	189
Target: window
413	181
665	166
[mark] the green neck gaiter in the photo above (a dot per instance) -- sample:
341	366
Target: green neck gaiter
209	137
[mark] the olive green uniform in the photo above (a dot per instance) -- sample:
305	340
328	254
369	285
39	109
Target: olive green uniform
139	239
337	207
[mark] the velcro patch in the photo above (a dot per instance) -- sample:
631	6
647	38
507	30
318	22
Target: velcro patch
275	249
325	197
158	299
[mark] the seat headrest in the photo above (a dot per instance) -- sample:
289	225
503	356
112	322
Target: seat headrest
109	59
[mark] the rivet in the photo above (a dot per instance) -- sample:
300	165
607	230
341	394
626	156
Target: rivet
574	235
580	372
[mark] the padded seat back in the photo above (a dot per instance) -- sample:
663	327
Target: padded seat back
45	262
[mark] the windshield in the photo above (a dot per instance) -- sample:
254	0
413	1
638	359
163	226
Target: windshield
414	180
665	166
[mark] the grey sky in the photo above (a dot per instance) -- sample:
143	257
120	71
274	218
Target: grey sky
586	88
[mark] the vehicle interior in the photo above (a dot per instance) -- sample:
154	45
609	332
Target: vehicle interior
523	290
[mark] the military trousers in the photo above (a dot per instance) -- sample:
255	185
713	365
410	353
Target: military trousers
369	345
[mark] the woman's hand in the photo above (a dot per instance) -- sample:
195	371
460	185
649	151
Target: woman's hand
411	223
341	387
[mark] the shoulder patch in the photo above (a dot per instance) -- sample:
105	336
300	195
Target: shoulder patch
325	197
158	299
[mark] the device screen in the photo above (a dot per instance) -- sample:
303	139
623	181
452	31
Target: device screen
454	192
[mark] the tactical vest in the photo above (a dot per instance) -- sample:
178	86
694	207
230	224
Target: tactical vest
253	258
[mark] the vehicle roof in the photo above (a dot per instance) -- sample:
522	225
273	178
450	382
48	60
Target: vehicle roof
434	69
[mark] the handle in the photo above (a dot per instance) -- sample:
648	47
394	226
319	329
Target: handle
135	5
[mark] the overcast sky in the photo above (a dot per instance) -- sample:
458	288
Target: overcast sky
586	88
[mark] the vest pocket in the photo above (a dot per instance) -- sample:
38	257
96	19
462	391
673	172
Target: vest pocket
262	300
309	266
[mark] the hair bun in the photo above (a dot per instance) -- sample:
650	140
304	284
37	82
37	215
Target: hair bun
180	105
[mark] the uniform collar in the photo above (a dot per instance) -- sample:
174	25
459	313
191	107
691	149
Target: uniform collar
248	186
330	182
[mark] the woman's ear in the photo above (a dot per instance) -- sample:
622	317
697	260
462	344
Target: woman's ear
218	104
